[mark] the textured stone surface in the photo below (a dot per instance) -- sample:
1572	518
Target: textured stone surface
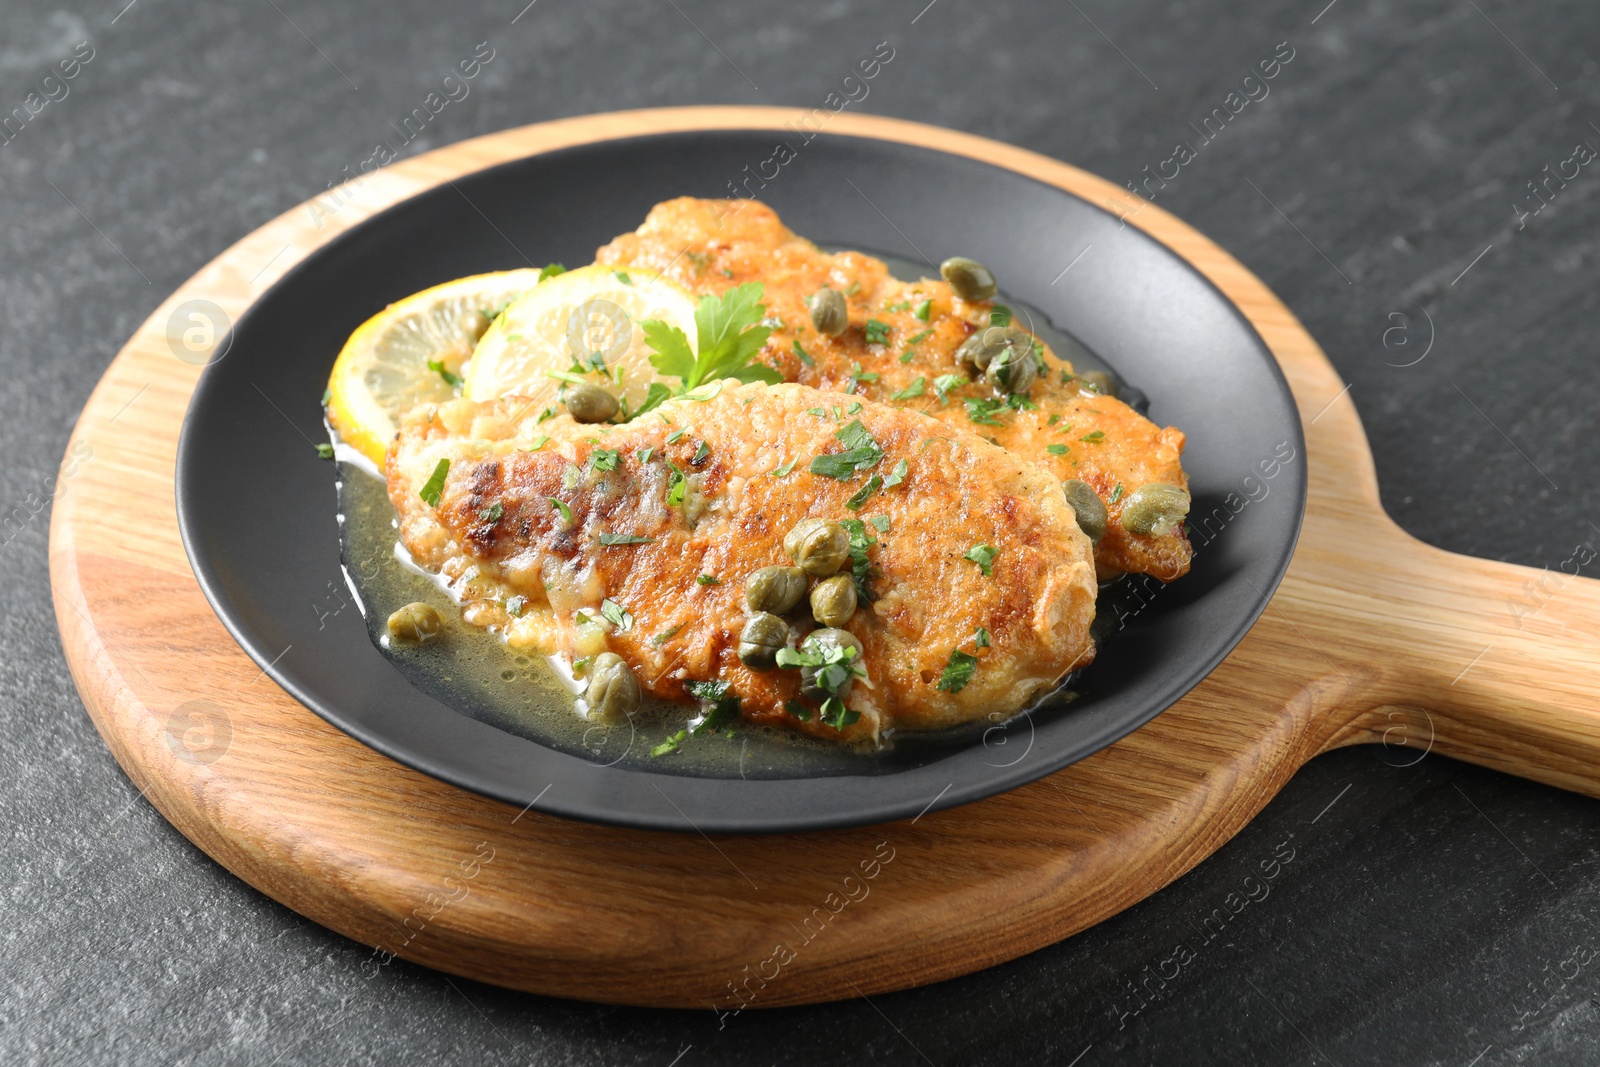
1433	914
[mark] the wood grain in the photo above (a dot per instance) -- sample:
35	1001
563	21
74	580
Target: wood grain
1372	635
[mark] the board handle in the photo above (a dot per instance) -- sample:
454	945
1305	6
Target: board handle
1493	663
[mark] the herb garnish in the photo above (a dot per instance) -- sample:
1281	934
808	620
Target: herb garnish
643	455
922	311
861	451
856	502
550	270
616	615
664	636
653	398
877	332
897	475
727	341
538	443
559	505
1056	450
881	522
957	672
999	315
861	569
805	357
625	539
677	483
700	454
983	556
709	579
982	410
783	470
491	513
981	638
602	459
946	382
670	744
917	387
1116	494
434	486
1098	435
324	450
515	605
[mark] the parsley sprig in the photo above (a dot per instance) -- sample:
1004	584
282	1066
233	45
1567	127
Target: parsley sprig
728	338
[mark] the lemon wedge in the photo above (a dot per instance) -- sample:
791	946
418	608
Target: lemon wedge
579	326
384	368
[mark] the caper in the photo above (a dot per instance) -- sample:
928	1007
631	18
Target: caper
775	590
613	690
1089	508
416	623
824	641
817	547
975	352
760	640
833	600
1154	509
1013	369
828	312
1098	381
587	402
970	279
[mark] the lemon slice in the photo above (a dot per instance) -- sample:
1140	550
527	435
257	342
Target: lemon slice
383	369
579	326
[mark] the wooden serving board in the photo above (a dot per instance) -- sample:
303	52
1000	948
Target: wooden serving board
1372	636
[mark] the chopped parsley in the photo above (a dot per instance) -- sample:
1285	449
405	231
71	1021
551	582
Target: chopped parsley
434	486
616	615
643	455
820	413
857	375
566	512
1053	420
999	315
515	606
671	744
919	337
981	638
897	475
881	522
1116	494
853	408
677	435
861	451
728	339
958	672
983	556
625	539
877	332
783	470
922	311
491	513
700	454
602	459
798	710
861	569
805	357
677	483
324	450
547	413
664	636
1098	435
856	502
982	410
451	379
550	270
653	398
946	382
709	579
918	386
538	443
622	276
907	357
1056	450
836	715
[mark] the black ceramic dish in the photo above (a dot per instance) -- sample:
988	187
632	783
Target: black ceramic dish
256	505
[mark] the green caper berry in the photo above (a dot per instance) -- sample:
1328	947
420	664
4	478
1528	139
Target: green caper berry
587	402
775	590
416	623
817	547
1098	381
829	313
760	640
1089	508
1154	509
970	279
833	600
1013	369
822	641
613	691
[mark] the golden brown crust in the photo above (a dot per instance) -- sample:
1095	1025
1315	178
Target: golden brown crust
496	534
709	246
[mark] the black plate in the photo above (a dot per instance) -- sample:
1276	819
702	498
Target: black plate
256	505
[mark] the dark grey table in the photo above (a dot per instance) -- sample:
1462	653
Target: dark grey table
1432	914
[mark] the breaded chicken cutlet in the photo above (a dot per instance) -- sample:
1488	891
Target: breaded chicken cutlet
638	538
901	349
